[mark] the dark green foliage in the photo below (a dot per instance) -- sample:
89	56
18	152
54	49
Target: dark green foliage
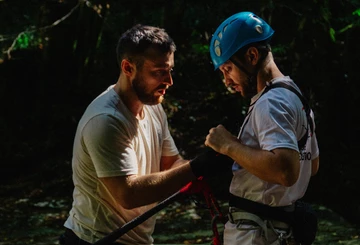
50	74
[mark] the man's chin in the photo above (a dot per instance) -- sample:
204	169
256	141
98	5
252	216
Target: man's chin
160	99
154	101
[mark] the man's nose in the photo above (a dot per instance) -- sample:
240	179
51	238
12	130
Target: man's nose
227	80
168	80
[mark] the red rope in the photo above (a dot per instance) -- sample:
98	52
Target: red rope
200	185
215	212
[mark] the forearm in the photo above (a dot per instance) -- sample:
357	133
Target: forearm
168	162
279	166
147	189
178	163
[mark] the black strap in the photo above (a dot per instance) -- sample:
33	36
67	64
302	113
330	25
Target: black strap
241	67
70	238
284	214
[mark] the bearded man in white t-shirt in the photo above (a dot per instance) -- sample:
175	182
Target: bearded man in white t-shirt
278	128
124	158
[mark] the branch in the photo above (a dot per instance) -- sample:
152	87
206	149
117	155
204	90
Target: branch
55	23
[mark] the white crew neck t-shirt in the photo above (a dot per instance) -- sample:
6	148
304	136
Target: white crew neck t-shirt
110	141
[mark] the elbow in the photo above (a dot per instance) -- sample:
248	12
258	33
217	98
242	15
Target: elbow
127	203
286	166
290	171
289	181
289	177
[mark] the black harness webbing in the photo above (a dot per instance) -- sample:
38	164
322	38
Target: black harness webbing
284	214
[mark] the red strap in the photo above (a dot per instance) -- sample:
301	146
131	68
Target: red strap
215	212
194	187
200	185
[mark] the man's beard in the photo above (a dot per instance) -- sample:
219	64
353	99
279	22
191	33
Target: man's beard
145	96
251	87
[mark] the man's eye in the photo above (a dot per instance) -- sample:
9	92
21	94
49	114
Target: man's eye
220	74
163	72
159	72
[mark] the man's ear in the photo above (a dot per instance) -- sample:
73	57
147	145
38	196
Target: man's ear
252	55
127	67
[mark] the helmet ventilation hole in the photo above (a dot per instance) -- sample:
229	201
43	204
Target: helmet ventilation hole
224	29
259	29
218	51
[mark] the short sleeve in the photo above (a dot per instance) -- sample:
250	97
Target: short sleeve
168	145
275	122
169	148
108	143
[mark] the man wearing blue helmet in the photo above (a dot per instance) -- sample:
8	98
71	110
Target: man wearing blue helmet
269	177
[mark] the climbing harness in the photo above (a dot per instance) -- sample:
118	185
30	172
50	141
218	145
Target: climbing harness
281	229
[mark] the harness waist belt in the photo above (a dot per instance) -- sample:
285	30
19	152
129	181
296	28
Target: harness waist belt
284	213
252	219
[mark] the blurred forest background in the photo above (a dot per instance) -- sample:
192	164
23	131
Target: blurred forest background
58	55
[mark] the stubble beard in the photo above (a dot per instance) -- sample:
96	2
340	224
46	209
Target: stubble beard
145	96
250	89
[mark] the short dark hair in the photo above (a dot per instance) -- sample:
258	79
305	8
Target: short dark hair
134	43
264	48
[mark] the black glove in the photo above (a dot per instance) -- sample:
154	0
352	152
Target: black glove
210	163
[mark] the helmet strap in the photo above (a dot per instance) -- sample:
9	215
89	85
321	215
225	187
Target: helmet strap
251	76
242	68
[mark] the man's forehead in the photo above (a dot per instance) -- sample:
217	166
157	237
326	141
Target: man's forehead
160	60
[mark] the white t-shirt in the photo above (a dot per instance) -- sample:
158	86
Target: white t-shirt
110	141
276	120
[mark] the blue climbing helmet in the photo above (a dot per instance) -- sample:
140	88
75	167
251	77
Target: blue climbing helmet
236	32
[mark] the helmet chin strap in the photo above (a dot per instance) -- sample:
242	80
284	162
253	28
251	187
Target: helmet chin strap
251	76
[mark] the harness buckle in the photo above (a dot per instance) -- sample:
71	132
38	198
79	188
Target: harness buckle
231	219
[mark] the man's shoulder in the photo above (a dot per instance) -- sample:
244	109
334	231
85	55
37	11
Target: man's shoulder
108	108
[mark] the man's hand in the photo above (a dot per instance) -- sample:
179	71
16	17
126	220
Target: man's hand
219	139
210	163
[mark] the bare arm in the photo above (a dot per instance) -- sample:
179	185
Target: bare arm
315	166
280	166
134	191
168	162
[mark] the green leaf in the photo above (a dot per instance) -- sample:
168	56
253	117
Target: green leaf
332	34
200	48
356	12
